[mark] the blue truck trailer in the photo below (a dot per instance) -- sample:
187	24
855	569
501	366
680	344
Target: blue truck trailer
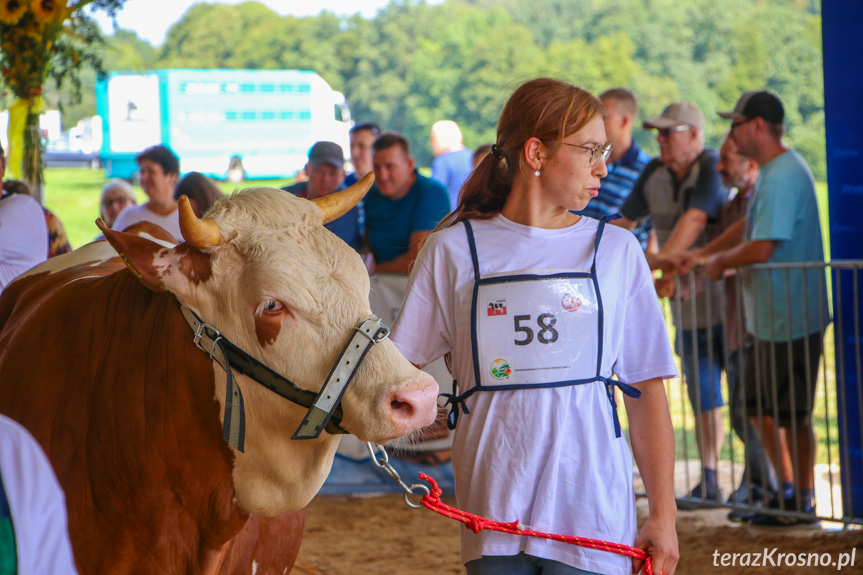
227	124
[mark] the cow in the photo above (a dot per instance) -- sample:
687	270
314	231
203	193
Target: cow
100	364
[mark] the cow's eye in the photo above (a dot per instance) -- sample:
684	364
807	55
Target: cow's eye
271	306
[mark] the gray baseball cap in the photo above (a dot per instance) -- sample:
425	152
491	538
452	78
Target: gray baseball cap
327	153
677	114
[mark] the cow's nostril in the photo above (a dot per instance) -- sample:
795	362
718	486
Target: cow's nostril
404	408
413	405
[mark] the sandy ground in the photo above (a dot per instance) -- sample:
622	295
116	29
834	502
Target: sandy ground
382	535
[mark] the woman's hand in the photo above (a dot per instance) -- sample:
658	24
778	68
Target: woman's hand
658	537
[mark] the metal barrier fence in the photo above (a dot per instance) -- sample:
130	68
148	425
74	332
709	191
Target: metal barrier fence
779	377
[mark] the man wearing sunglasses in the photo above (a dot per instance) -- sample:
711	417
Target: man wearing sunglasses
682	192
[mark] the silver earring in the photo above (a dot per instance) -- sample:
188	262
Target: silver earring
536	173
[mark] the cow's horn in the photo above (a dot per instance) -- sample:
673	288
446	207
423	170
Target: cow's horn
337	204
199	233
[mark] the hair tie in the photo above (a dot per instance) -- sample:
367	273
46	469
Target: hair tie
495	151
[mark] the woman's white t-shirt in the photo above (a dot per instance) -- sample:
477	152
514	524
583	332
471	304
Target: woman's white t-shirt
546	457
135	214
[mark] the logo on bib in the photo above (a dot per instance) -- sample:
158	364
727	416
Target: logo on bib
500	369
571	302
497	307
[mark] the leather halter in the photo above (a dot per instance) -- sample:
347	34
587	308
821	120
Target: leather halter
324	411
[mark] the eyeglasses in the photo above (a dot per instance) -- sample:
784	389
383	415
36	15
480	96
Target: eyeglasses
598	151
664	132
735	125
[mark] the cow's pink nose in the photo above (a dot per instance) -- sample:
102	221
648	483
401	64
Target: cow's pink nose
414	405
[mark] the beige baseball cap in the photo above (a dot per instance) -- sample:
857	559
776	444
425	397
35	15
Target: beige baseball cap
677	114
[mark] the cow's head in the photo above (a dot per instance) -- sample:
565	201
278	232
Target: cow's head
262	269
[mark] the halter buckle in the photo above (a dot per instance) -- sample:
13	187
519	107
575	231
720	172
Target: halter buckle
202	330
199	334
364	328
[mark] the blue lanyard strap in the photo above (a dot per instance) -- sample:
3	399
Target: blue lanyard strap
627	390
595	279
457	402
476	277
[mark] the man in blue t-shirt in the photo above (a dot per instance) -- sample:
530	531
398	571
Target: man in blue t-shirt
326	172
453	162
402	208
781	227
625	164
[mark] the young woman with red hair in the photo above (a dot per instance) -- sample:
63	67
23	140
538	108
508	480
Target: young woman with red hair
539	308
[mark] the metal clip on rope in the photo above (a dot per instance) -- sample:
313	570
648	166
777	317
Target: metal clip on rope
384	463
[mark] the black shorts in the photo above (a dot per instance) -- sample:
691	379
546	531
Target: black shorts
773	388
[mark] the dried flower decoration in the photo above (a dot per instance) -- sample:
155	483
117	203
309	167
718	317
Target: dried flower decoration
12	10
44	10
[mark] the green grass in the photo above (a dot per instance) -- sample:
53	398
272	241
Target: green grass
73	195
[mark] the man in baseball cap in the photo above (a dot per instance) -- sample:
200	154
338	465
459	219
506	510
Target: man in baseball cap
757	105
677	114
781	227
680	135
765	110
326	174
682	192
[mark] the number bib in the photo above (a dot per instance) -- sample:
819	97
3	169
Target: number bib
536	330
531	330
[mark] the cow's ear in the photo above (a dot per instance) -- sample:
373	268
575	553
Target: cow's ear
139	254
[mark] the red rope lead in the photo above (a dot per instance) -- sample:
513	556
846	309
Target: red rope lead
477	523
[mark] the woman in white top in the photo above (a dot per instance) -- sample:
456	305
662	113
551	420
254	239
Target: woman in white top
159	169
539	308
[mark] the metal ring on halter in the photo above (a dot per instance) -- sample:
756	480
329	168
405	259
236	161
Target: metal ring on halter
410	492
384	464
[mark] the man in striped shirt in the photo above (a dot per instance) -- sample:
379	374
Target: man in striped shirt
625	164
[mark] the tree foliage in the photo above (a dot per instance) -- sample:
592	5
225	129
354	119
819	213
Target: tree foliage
413	64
